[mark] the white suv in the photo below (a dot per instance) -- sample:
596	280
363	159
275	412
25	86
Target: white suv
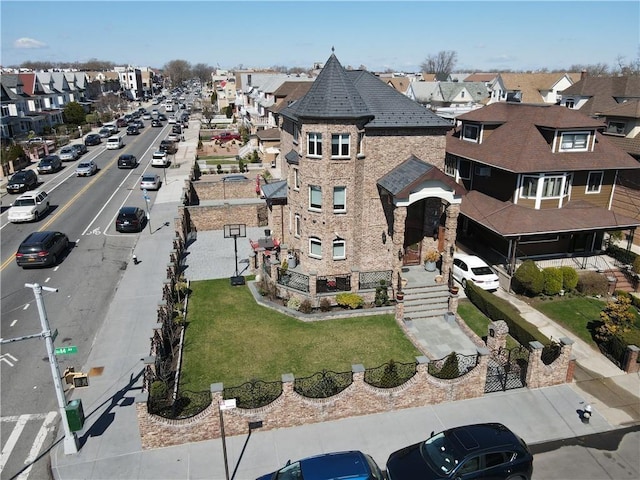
159	159
114	143
28	207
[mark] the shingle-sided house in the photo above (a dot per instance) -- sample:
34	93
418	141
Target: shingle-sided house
364	192
540	180
539	88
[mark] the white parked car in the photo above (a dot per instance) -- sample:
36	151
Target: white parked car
28	207
469	268
150	181
159	159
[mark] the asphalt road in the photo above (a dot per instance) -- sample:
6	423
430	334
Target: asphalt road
85	209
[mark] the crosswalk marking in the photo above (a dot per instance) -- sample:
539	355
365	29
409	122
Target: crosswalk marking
13	439
47	425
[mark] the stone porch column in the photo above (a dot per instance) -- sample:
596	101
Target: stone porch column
399	219
450	234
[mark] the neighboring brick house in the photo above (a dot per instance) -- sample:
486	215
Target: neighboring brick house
540	180
364	190
538	88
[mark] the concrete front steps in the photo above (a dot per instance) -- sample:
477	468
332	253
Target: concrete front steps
622	282
422	302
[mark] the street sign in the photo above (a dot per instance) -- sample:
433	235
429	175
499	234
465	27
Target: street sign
229	404
66	350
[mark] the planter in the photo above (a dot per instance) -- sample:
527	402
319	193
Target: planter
454	290
430	266
400	296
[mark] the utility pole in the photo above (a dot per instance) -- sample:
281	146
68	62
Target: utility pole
70	439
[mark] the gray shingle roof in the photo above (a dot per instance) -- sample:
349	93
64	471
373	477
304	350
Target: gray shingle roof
275	190
292	157
356	94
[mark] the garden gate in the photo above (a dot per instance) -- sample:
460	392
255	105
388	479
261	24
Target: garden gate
507	369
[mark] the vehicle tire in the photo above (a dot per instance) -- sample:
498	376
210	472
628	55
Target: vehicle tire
36	216
54	259
517	477
464	283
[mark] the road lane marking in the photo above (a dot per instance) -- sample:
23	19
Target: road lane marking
13	439
45	428
13	323
25	306
3	359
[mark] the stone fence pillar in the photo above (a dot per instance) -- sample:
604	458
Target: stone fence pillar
631	359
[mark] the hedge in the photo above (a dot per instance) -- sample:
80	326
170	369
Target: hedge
497	308
622	255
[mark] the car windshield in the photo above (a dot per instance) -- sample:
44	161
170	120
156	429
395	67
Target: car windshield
440	453
84	165
24	202
480	271
19	177
148	178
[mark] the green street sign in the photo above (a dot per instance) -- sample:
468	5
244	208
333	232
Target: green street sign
66	350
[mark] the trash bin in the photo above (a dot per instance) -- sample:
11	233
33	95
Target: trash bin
291	260
75	415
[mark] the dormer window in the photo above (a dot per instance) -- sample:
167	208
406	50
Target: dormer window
574	141
471	133
615	128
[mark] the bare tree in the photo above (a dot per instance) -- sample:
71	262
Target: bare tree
627	68
442	63
178	71
593	70
202	71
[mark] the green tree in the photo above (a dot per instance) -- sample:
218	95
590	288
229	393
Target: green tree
11	153
617	318
74	114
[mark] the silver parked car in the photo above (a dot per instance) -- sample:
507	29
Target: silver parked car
86	168
150	181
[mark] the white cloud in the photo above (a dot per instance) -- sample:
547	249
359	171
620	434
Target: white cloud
25	42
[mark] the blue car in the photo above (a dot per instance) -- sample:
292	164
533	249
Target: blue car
353	465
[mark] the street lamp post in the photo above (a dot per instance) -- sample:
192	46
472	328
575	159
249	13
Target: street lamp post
70	439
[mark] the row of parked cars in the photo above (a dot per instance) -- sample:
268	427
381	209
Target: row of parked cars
468	452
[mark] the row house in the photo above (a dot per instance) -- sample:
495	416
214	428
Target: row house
257	96
537	88
131	82
540	181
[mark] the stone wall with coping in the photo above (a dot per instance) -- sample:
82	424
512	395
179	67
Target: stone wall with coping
215	217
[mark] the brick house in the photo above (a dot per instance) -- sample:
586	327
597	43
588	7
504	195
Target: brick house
363	191
540	181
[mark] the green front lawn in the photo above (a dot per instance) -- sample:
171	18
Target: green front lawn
231	339
478	321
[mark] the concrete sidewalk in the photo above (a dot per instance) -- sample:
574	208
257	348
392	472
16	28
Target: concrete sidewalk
110	442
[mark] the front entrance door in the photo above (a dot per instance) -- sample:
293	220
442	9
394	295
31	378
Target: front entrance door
413	234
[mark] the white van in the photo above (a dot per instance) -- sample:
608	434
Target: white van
168	107
114	143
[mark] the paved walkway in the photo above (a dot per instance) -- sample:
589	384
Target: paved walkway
110	443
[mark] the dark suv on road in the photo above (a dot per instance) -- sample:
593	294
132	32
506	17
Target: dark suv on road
130	219
22	181
127	161
485	450
41	249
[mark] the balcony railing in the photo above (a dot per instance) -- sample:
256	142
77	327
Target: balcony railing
337	283
292	279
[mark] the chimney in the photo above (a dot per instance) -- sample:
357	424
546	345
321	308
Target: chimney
583	74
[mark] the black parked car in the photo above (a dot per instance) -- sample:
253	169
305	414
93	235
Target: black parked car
22	181
130	219
41	249
81	148
50	164
486	450
92	139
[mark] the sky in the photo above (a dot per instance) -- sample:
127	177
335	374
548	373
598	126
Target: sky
379	35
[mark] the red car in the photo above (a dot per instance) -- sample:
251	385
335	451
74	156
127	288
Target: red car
226	136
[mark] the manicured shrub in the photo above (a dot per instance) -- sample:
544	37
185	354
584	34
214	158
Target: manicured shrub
305	306
569	278
528	279
552	280
325	304
294	303
592	283
382	295
636	265
158	390
350	300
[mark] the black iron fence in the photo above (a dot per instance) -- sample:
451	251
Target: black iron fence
188	404
454	365
254	394
322	384
390	375
337	283
371	280
292	279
